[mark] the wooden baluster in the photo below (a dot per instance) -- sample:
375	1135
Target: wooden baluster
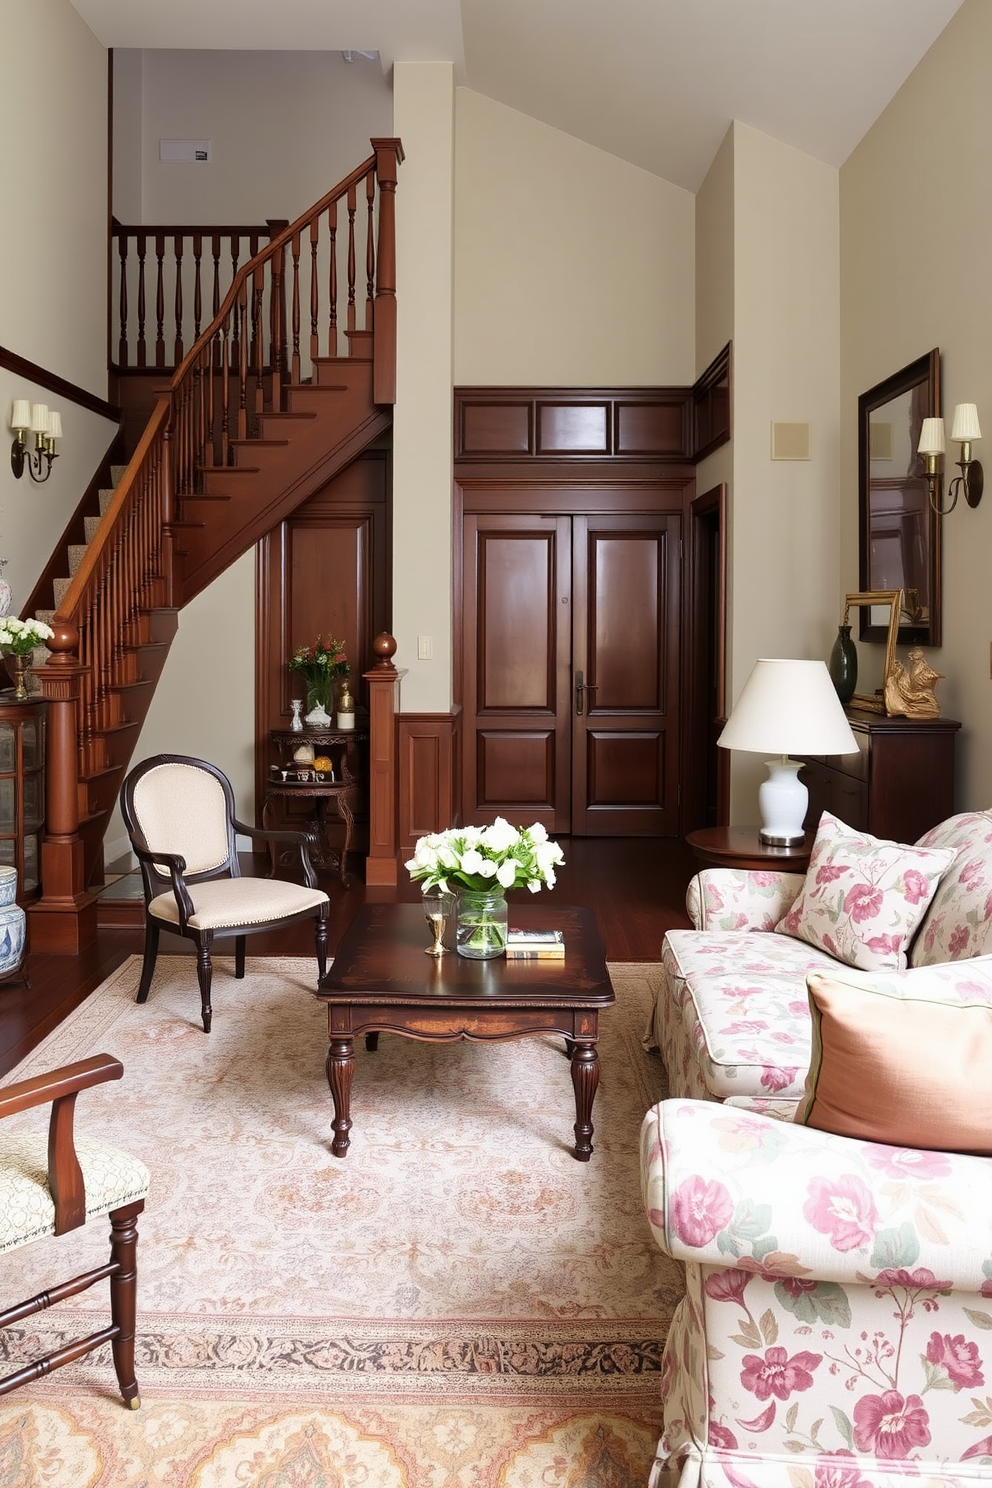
159	300
215	302
142	357
225	398
278	318
210	411
243	362
314	297
383	680
197	285
122	355
332	298
369	247
258	334
294	375
389	155
352	204
178	246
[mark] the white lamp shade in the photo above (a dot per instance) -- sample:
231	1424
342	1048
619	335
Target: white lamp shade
789	707
931	437
39	418
966	426
55	426
20	414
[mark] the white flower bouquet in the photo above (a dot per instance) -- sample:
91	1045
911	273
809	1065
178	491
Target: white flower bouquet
482	859
19	637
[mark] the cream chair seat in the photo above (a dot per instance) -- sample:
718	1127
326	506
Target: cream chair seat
179	813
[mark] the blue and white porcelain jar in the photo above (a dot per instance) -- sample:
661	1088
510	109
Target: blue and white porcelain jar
11	923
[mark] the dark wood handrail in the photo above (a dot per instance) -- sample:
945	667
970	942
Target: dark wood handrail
53	383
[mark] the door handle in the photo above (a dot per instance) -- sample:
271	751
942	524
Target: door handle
581	687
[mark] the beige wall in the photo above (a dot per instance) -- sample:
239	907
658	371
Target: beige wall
785	538
53	186
284	127
423	117
572	267
915	274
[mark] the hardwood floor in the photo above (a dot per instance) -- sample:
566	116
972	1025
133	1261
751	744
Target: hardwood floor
635	886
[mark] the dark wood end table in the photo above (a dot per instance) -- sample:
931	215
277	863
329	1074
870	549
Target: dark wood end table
740	847
382	982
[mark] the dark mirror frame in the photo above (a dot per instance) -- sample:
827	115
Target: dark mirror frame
924	374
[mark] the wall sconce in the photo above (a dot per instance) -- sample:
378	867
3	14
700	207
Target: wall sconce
46	428
964	430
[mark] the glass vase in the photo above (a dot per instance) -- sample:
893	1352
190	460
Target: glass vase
843	664
480	924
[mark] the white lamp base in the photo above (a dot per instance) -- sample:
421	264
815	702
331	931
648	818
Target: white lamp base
782	804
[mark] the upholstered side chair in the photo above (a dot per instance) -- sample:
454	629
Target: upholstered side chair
179	814
50	1184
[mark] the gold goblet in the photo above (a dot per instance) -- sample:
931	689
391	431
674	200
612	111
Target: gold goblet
437	910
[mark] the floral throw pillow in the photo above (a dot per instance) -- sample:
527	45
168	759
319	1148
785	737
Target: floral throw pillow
864	898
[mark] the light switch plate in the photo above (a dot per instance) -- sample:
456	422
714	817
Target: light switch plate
425	648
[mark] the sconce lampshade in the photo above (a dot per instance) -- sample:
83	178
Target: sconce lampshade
966	427
20	415
931	437
787	706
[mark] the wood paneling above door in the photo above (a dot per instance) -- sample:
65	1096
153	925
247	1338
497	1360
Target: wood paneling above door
549	424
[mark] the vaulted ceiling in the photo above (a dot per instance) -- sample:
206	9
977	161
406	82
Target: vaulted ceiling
656	82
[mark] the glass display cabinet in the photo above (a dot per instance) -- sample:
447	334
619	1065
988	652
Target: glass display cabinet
22	790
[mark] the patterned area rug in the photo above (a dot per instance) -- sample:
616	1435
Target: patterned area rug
456	1304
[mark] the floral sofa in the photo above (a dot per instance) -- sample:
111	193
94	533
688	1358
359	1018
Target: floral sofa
732	1017
837	1326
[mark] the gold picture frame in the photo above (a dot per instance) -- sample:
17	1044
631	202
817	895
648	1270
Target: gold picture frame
872	598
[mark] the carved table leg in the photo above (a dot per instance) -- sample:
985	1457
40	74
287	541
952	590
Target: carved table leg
585	1078
345	813
340	1068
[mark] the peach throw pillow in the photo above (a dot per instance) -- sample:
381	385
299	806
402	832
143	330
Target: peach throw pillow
890	1066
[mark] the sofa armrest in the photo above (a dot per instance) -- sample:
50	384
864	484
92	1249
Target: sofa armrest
738	899
744	1191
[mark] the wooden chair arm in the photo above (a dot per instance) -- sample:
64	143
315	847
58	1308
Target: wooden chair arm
60	1087
301	839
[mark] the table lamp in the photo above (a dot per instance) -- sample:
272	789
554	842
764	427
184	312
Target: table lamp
786	706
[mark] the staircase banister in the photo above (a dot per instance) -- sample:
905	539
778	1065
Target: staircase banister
262	256
188	230
66	611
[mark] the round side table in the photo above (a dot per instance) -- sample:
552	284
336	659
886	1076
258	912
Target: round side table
740	847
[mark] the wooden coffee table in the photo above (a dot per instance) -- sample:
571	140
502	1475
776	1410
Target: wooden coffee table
382	982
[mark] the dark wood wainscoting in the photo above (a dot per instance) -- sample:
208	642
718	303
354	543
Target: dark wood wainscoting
569	508
324	570
428	749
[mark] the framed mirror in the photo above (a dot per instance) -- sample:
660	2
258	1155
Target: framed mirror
899	532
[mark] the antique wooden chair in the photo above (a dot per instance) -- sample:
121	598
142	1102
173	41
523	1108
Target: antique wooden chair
52	1184
179	814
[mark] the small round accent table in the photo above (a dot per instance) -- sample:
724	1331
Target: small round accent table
740	847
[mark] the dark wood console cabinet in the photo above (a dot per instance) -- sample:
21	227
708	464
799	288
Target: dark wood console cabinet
898	785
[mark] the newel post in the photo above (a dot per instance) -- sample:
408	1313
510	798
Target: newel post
388	156
384	686
63	920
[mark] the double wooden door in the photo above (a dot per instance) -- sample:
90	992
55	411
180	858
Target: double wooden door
570	671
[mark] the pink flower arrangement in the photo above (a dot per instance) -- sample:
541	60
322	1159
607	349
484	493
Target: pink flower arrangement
843	1210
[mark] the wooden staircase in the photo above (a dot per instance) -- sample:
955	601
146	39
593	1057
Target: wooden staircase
256	419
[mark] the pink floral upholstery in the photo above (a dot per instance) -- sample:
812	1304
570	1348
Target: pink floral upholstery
837	1326
863	899
732	1015
959	921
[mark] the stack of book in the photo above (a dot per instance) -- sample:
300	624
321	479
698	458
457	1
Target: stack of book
535	945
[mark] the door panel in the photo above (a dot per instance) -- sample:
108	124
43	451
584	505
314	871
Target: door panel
516	647
625	643
547	599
